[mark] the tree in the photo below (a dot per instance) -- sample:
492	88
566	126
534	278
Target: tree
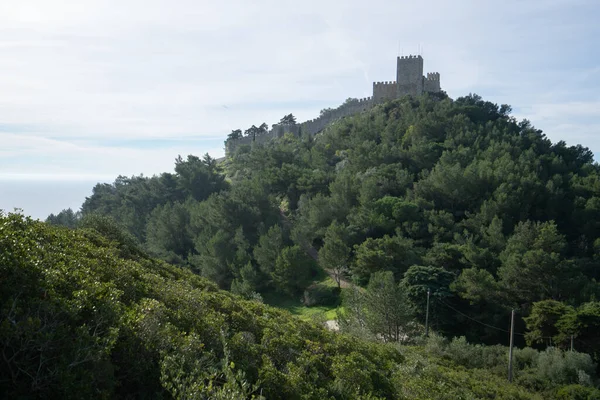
478	286
382	309
199	178
533	265
255	131
235	134
66	218
558	323
542	322
334	254
583	325
325	111
268	249
388	308
293	271
389	253
288	120
248	283
214	256
168	232
417	280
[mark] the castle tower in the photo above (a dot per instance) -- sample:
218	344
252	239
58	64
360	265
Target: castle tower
409	75
432	82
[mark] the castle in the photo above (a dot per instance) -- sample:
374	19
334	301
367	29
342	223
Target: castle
409	81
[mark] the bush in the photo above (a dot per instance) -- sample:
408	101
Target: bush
565	367
477	356
321	295
577	392
435	345
533	369
525	358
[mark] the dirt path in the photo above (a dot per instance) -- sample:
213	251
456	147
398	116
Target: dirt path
332	325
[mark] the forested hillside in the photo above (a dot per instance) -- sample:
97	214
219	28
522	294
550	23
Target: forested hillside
454	196
86	313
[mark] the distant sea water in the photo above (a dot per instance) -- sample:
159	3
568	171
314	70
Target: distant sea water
38	199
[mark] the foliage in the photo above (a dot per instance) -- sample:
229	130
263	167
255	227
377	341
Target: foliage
321	295
546	371
74	313
67	218
168	233
334	254
561	324
80	320
254	130
389	253
382	310
455	195
293	270
288	119
235	134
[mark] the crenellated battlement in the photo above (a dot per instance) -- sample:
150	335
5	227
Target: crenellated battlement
410	57
383	91
377	84
409	81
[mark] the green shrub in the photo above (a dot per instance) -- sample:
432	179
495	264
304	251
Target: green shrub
105	326
532	369
525	358
565	367
477	356
435	345
577	392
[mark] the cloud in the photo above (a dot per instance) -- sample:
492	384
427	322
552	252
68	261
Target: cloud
81	83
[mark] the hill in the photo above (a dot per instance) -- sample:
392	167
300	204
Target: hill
455	185
86	314
454	197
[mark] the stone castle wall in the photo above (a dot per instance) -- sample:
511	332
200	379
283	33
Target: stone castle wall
409	81
314	126
310	127
383	91
231	145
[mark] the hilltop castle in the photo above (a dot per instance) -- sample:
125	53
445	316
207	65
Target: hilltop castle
409	81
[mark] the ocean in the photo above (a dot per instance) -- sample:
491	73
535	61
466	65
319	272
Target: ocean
38	199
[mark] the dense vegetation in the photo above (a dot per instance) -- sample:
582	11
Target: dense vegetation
87	314
454	196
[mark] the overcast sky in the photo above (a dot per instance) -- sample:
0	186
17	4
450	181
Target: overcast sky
93	89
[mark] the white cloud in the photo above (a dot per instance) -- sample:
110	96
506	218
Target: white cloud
38	158
571	110
74	74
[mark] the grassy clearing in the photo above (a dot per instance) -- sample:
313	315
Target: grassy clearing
295	306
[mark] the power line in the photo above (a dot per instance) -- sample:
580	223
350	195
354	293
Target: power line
484	324
473	319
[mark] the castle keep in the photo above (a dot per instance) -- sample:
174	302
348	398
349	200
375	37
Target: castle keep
409	81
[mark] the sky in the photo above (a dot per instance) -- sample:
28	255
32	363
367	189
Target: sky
93	89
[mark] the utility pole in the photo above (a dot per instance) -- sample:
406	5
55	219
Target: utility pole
510	349
427	315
